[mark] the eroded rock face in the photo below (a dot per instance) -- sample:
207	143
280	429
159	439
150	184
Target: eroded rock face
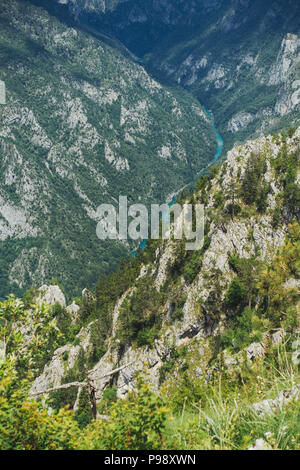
54	372
203	311
73	309
201	322
265	58
278	337
282	74
287	58
284	397
240	121
51	295
63	360
167	12
255	350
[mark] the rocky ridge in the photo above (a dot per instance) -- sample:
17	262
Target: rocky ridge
203	316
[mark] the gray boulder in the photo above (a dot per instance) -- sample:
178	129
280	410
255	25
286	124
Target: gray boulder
51	295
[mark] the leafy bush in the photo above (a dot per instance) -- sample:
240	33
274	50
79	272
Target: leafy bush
26	425
136	423
219	199
291	131
83	414
146	337
108	398
277	301
30	296
139	315
193	267
248	270
236	294
292	196
253	189
247	328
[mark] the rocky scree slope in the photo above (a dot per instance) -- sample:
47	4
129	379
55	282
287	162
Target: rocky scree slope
185	313
82	125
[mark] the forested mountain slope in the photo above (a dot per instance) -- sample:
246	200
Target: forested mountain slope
82	124
168	298
239	57
174	349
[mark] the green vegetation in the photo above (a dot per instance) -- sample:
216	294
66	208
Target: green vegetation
78	95
236	294
218	328
226	421
247	329
140	317
217	417
27	425
209	384
278	300
136	423
253	188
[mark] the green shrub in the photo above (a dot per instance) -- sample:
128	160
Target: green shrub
108	398
219	199
30	296
146	337
291	131
193	267
25	424
136	423
292	196
236	294
262	196
247	329
251	181
139	317
83	414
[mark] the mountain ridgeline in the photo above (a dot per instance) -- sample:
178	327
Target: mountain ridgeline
168	297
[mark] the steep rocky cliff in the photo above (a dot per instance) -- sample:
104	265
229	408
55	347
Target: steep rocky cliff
182	312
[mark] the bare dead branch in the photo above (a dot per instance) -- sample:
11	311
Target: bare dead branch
60	387
78	384
115	371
